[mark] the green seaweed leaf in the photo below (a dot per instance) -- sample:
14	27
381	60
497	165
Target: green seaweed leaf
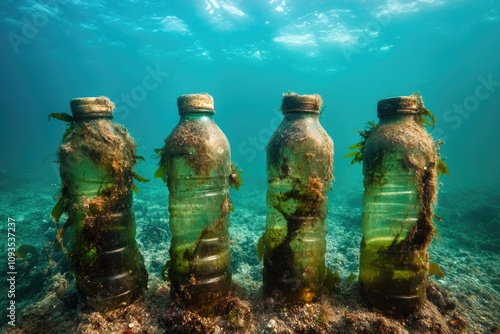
235	180
105	190
332	279
438	218
435	270
140	178
352	277
161	172
350	154
61	116
89	254
260	247
426	116
357	148
67	132
442	168
58	210
139	157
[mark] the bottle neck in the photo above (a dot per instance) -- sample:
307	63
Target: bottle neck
290	115
196	114
398	117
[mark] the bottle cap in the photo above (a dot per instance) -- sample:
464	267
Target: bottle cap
92	107
304	103
201	102
398	105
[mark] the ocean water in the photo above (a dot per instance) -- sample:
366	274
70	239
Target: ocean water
246	54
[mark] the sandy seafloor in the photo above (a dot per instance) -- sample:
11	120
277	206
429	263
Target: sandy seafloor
467	248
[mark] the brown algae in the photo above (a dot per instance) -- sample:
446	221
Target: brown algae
300	172
196	164
400	167
96	167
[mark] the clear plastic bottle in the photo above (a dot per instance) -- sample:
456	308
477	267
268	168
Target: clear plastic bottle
399	167
196	161
300	172
96	166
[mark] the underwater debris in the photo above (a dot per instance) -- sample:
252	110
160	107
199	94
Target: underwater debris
96	167
195	162
300	172
400	169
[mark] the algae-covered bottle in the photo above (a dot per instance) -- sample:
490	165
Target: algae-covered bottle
300	172
399	167
196	164
96	167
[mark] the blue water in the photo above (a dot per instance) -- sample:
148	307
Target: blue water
246	54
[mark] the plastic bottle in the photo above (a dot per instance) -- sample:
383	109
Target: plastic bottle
399	167
196	161
96	166
300	172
